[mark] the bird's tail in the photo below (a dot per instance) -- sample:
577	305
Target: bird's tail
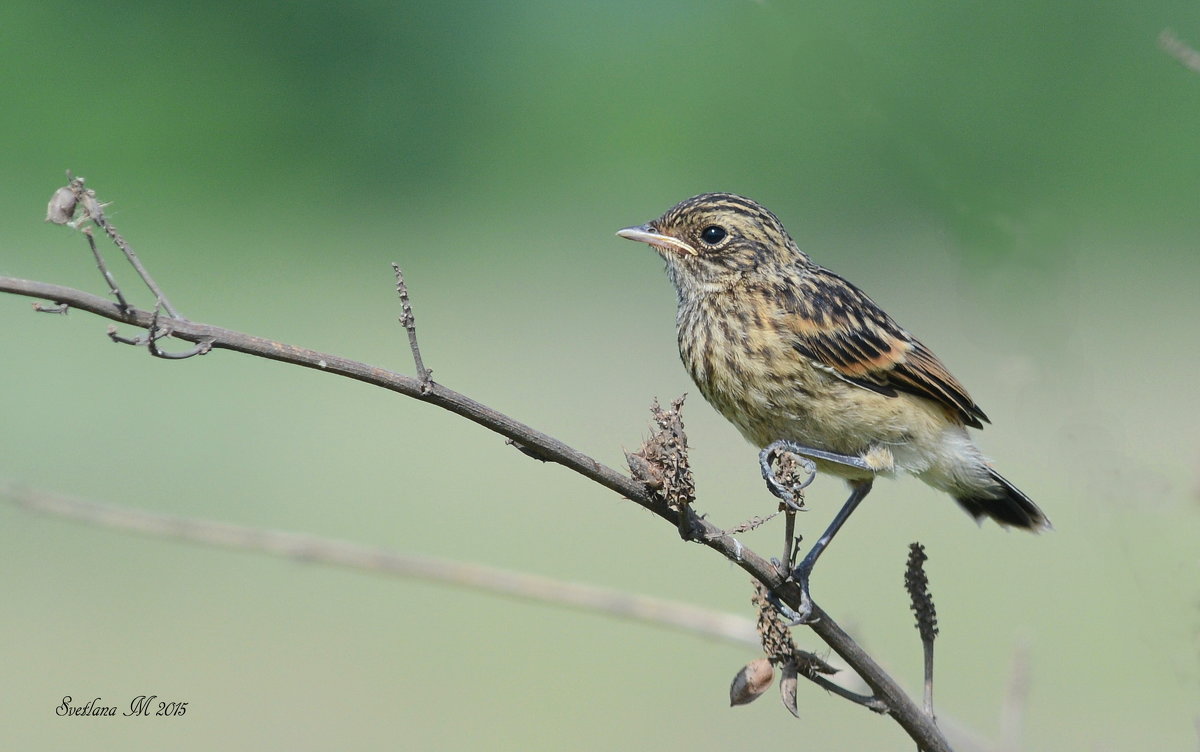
1007	505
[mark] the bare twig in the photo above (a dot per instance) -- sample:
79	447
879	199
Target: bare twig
108	277
917	724
318	550
308	548
1016	700
94	210
1180	50
154	333
61	210
60	310
751	524
409	322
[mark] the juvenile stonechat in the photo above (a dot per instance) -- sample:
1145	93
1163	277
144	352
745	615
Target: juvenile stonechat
801	360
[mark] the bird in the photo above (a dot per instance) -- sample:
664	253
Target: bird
801	360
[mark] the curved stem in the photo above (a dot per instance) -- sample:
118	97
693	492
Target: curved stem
918	726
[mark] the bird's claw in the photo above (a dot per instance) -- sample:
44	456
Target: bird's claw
784	570
794	617
786	492
805	614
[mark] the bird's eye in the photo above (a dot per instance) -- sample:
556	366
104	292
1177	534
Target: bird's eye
712	234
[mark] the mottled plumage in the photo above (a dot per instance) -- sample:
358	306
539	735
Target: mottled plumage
788	350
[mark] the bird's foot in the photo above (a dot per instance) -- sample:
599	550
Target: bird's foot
784	570
794	617
788	489
804	615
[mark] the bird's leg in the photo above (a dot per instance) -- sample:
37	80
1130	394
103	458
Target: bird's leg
858	491
786	494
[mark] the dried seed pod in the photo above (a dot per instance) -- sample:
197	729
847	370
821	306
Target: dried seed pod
751	682
61	208
787	686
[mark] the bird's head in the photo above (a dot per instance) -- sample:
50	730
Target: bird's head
712	241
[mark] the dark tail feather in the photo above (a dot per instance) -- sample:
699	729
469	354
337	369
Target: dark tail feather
1008	507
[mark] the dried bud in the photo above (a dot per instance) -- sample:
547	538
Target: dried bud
776	637
92	208
61	208
643	470
787	686
662	462
751	682
917	584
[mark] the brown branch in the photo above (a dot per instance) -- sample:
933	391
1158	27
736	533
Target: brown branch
918	725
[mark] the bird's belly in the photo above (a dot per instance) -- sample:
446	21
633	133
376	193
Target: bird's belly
805	411
776	393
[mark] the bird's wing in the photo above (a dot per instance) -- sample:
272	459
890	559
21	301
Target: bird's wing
838	327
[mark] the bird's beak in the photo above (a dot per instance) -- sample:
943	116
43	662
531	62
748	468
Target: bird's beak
647	234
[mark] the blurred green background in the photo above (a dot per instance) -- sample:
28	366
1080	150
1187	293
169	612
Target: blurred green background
1016	182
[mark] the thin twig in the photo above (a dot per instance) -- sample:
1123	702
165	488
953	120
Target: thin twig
751	524
61	211
870	702
309	548
1180	50
917	724
94	210
1016	700
157	332
314	549
108	277
409	322
788	562
153	334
